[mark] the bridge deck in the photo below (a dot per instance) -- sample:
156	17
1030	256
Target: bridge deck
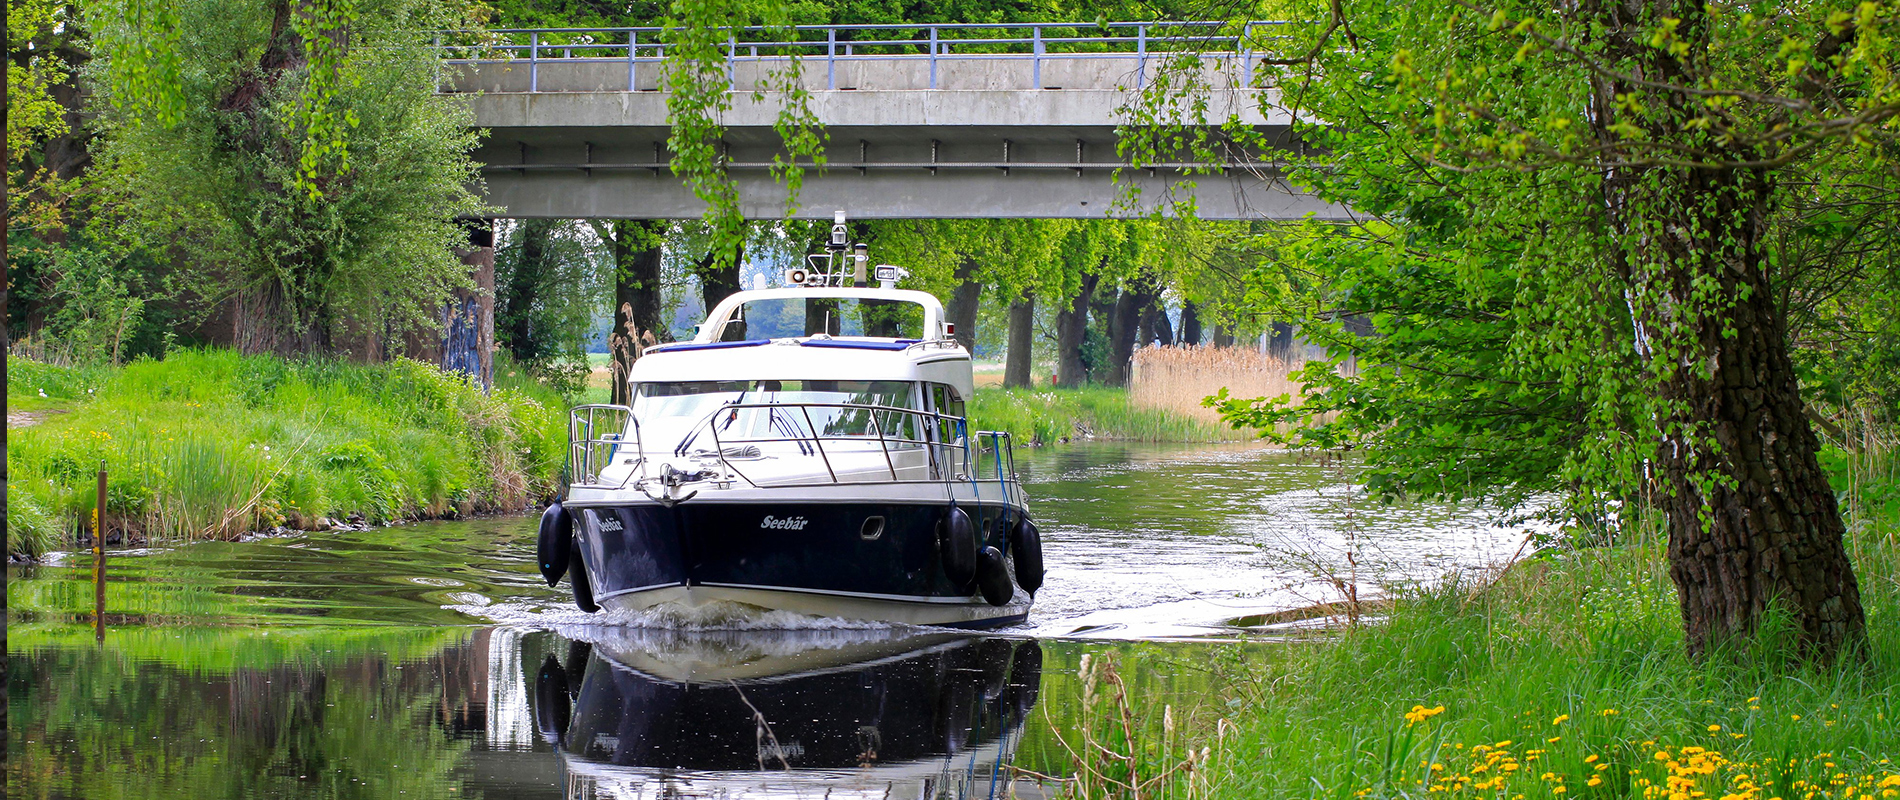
942	134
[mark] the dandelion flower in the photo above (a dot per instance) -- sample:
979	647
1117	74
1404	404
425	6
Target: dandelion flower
1560	719
1715	728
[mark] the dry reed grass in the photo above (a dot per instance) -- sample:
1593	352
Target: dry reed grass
1176	378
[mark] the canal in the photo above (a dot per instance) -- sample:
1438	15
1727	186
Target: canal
429	660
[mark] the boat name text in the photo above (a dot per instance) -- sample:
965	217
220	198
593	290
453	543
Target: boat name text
785	524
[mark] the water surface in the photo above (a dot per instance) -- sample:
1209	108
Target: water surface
429	660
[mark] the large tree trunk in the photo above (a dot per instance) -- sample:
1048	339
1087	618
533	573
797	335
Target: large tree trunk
1753	523
1072	324
963	303
1022	323
1124	330
638	301
1190	323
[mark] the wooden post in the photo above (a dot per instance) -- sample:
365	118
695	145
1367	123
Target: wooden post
99	560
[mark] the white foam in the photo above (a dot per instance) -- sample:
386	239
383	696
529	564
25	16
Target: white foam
573	622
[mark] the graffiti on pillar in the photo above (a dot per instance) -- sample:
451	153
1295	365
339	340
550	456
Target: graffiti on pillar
462	336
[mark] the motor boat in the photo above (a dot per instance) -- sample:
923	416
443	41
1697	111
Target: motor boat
807	451
648	713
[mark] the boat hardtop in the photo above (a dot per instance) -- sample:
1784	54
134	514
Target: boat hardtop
937	358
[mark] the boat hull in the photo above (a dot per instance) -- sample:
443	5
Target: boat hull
855	559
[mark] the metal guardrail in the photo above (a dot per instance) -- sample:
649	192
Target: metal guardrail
599	434
595	436
1036	43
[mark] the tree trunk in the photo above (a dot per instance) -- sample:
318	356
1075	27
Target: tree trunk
1124	331
637	298
963	303
1072	324
1022	323
1160	329
1190	323
1222	338
515	300
716	282
1753	523
1280	340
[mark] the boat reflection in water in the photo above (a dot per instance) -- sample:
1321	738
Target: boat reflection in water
672	714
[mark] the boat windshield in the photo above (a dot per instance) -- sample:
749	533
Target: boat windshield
793	317
669	411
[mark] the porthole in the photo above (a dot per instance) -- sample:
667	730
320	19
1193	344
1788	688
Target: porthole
873	528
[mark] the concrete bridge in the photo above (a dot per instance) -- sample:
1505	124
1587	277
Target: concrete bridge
947	121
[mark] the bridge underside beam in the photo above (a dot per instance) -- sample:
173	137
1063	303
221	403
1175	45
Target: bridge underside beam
882	172
914	193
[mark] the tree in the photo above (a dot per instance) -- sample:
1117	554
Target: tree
549	278
295	155
1621	174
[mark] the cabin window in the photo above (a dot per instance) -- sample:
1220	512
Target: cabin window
681	405
945	400
794	317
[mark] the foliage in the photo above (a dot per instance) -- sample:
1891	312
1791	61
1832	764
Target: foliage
549	276
208	443
32	112
225	183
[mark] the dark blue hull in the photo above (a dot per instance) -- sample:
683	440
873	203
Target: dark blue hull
863	554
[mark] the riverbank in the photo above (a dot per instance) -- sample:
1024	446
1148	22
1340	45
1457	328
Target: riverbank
1565	676
209	444
1058	416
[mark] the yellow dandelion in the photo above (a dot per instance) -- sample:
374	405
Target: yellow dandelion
1560	719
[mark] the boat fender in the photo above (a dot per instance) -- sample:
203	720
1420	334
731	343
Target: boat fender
957	540
1026	544
552	708
554	542
992	576
577	575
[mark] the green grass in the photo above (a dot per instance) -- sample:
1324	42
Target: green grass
1051	416
211	444
1569	668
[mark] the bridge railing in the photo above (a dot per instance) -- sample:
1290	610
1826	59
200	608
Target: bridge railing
1140	45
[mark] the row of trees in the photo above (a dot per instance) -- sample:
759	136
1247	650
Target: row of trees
1111	286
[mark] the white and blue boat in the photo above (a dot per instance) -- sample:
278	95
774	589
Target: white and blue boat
807	451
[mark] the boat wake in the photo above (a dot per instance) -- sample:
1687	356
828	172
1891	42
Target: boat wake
735	617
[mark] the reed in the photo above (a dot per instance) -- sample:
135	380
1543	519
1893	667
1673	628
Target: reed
1055	416
1176	379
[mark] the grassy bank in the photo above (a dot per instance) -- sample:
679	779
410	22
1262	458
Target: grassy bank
1053	416
1566	677
211	444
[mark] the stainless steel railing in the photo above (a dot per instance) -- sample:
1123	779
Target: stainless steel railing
596	435
604	435
1035	43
